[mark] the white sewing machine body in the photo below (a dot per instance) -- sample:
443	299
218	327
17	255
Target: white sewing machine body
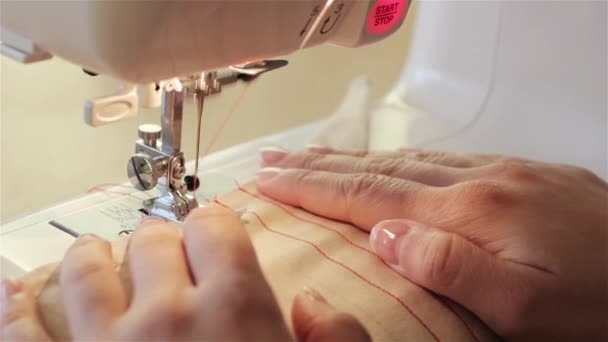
526	78
166	50
169	50
149	41
43	237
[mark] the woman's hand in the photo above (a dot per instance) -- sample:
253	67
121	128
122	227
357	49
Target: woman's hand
522	244
201	281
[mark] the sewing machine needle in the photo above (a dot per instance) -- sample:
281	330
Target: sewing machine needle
199	100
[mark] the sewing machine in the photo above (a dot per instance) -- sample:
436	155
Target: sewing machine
167	52
515	77
152	45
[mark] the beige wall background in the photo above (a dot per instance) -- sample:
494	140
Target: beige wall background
49	155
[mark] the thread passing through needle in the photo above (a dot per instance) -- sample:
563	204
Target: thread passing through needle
199	101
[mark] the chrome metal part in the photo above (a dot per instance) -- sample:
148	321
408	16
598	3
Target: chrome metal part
171	120
260	67
142	172
149	133
162	164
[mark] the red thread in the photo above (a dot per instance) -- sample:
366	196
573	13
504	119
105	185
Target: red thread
290	213
405	306
221	204
220	129
101	187
294	215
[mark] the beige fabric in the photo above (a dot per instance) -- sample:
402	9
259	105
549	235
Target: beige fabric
298	249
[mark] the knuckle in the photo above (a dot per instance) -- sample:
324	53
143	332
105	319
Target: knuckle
81	270
520	171
426	156
77	266
311	160
585	174
514	169
387	166
362	184
439	265
359	186
302	178
435	157
175	315
488	194
239	303
376	189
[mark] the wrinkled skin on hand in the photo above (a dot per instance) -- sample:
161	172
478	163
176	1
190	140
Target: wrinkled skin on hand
520	243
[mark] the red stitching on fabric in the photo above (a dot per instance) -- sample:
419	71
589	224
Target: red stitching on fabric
405	306
294	215
290	213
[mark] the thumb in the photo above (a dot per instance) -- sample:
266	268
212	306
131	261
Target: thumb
446	263
315	320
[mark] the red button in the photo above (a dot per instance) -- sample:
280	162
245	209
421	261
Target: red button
385	14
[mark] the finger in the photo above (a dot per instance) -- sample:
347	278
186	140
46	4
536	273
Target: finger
38	278
218	244
451	159
362	199
355	153
452	266
92	293
314	319
399	167
270	156
19	319
157	259
119	248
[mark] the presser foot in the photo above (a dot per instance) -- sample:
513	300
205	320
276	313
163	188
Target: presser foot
173	206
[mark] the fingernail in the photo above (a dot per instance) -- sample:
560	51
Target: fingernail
150	220
267	173
272	155
313	295
384	238
87	237
9	287
318	148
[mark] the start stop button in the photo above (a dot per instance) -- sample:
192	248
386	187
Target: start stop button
385	14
